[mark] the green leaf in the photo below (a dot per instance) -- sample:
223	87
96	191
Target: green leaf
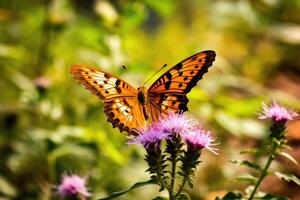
136	185
249	151
246	163
248	191
160	198
230	196
190	183
288	177
246	178
273	197
289	157
183	196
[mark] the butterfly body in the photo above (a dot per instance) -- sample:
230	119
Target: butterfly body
128	108
143	99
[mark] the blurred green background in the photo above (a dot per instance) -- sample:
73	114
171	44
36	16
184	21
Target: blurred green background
50	125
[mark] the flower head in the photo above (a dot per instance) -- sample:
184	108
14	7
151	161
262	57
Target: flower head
198	139
276	112
72	185
175	124
150	138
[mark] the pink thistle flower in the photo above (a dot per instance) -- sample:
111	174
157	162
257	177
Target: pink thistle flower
72	185
42	82
276	112
198	139
150	138
176	124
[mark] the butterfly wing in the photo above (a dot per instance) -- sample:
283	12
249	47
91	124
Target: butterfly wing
168	92
120	99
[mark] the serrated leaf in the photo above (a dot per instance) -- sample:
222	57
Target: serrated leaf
249	151
289	157
160	198
288	177
180	173
285	146
230	196
190	184
246	178
273	197
258	194
161	189
183	196
246	163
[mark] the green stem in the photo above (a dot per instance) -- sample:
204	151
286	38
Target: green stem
136	185
263	174
181	186
173	174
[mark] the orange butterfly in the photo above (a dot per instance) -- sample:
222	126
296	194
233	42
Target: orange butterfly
128	108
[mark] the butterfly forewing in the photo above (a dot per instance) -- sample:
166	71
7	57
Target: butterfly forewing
168	92
184	76
102	84
120	99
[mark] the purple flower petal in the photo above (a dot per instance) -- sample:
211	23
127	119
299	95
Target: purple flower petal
276	112
72	185
176	124
150	137
199	139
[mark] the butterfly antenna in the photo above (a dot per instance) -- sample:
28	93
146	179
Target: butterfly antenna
155	73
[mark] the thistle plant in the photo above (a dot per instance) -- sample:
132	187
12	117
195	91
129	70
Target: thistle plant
73	187
276	143
173	147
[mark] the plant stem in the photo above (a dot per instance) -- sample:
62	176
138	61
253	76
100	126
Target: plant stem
263	174
173	174
136	185
181	186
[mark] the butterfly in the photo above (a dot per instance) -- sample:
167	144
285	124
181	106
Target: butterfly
128	108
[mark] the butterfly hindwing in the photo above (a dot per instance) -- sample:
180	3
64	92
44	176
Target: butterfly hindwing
174	84
162	104
125	114
120	103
